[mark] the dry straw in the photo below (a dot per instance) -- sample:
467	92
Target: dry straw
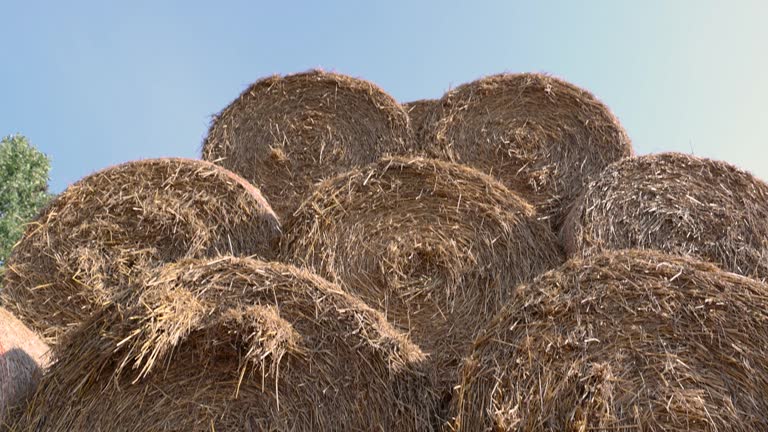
114	224
625	340
437	246
420	113
286	133
679	204
23	357
537	134
234	344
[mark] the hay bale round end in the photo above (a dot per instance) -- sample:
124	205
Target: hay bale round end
113	224
679	204
23	358
538	134
286	133
437	246
625	340
235	344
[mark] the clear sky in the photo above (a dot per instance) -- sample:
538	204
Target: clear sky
94	83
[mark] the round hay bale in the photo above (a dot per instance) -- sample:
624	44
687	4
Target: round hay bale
23	357
420	112
235	344
678	204
286	133
114	224
437	246
625	340
539	135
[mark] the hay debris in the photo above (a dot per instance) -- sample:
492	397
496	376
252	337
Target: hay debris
438	247
679	204
624	340
286	133
234	344
116	223
23	357
539	135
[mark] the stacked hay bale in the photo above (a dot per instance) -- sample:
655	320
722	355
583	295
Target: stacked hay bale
285	133
438	247
420	113
539	135
234	344
115	224
155	329
623	340
23	357
679	204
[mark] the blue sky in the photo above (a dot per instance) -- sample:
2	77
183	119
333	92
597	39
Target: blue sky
97	83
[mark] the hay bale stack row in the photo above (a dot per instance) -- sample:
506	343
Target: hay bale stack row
234	344
112	226
412	228
23	357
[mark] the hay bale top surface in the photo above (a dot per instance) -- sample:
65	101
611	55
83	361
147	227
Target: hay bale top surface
23	357
623	340
436	246
111	225
538	134
286	133
679	204
235	344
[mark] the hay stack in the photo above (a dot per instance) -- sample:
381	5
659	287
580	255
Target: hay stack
625	340
234	344
539	135
679	204
112	225
420	113
286	133
437	246
23	356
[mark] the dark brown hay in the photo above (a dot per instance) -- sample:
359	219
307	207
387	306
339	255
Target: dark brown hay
678	204
234	344
420	113
23	357
286	133
112	225
623	341
539	135
437	246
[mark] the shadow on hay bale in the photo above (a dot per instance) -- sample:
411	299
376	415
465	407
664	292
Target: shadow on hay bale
112	225
678	204
420	113
23	357
286	133
625	340
235	344
539	135
438	247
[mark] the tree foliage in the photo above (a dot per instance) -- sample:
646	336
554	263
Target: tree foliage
23	188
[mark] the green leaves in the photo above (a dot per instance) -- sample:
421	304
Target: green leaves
23	188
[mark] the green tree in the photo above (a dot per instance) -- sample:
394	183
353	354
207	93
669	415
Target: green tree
23	189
